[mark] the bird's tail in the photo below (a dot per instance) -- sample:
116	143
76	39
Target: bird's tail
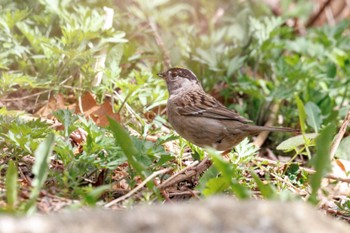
257	129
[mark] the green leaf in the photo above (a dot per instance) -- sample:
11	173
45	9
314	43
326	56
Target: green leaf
226	179
296	141
331	70
216	185
42	160
240	190
40	169
343	151
321	160
267	191
262	29
295	175
314	117
209	174
235	64
114	56
302	114
67	118
124	141
246	149
221	164
92	197
11	185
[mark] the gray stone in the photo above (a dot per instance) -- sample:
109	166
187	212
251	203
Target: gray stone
220	214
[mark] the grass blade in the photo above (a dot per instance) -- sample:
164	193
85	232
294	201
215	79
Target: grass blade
322	159
124	141
267	191
40	170
302	114
11	185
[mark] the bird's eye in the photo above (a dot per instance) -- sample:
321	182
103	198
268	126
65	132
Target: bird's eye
172	76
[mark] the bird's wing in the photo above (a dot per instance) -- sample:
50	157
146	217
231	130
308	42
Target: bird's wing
198	103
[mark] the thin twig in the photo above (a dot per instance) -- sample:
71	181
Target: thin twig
201	167
25	97
178	173
308	170
289	184
28	181
160	42
127	106
329	16
138	187
315	16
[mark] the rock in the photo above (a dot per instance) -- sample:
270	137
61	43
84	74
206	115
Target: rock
219	214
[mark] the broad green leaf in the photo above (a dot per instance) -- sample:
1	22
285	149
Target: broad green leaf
221	164
343	151
296	141
303	45
40	169
314	117
209	174
216	185
226	179
41	165
114	56
321	161
235	64
331	70
11	185
124	141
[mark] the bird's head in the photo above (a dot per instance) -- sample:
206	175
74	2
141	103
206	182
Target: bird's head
180	79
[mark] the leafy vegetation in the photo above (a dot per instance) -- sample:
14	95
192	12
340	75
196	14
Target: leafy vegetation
250	60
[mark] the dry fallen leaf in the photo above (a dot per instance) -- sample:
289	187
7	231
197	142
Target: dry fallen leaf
98	113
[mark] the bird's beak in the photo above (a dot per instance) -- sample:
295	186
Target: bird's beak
161	74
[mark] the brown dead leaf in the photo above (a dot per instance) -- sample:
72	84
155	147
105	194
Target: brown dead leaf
78	136
55	103
340	167
98	113
88	107
88	102
78	139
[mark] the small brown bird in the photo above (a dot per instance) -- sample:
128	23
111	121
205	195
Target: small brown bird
200	118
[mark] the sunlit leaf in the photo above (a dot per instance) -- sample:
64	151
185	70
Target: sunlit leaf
322	160
216	185
40	169
123	139
343	151
314	117
296	141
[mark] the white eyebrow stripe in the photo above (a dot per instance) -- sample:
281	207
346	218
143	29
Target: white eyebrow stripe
192	73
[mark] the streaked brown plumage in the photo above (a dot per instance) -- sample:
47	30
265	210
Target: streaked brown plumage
200	118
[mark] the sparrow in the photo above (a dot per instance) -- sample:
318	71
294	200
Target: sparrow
200	118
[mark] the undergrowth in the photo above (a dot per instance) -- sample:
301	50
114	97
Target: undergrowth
250	60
